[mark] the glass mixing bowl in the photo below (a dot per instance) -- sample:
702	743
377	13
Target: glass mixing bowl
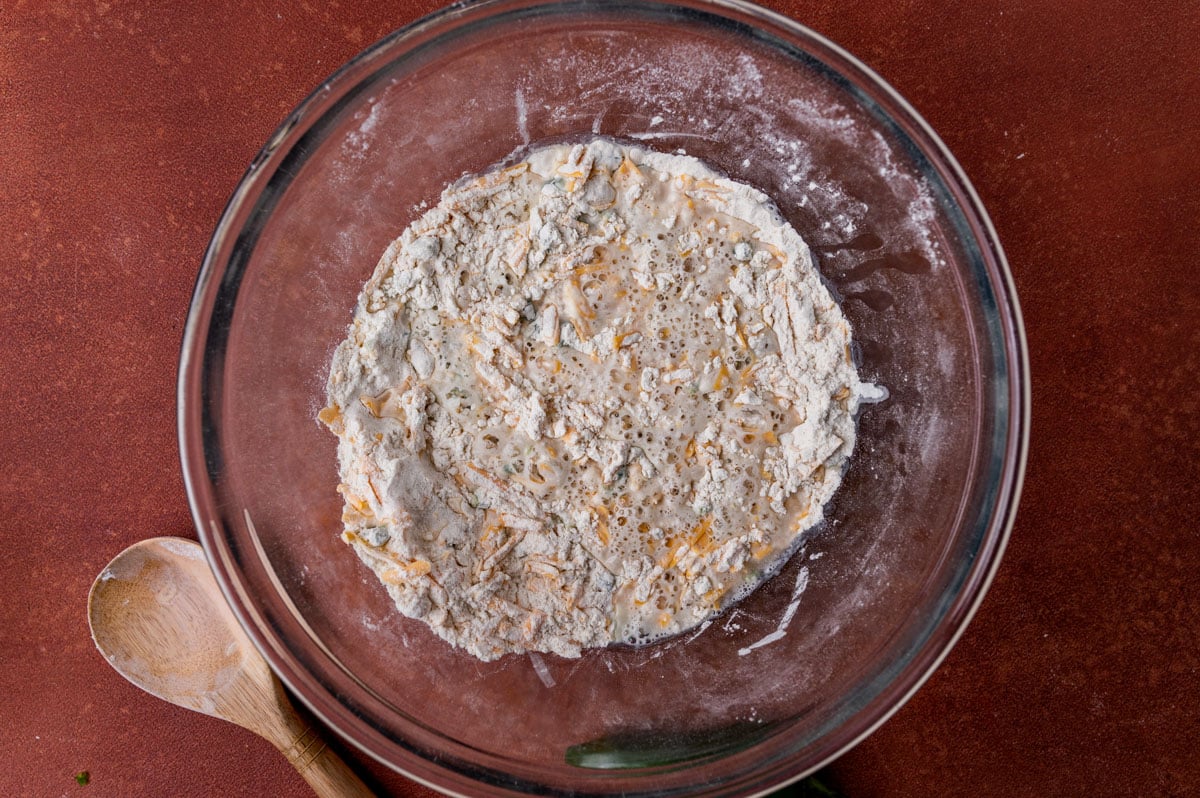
911	538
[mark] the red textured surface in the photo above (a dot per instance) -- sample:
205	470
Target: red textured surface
125	126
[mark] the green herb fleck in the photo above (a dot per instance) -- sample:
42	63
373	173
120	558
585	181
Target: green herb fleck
83	777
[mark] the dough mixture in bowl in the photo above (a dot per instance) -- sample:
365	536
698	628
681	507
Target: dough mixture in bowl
593	397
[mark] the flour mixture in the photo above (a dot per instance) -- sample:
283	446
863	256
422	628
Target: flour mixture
590	398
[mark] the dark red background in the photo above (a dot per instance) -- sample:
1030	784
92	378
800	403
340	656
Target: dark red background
125	126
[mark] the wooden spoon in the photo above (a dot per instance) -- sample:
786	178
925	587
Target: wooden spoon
158	617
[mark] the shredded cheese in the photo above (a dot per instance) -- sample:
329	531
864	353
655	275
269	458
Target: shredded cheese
579	397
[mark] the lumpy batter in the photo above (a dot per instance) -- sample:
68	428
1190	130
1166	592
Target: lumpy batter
589	398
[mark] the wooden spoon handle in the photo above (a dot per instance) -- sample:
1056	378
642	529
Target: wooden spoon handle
324	770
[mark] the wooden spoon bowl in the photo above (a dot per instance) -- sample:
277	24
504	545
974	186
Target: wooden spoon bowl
158	617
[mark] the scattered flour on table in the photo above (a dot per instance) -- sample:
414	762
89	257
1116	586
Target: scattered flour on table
593	397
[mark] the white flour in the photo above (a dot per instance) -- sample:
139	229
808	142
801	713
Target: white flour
593	397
